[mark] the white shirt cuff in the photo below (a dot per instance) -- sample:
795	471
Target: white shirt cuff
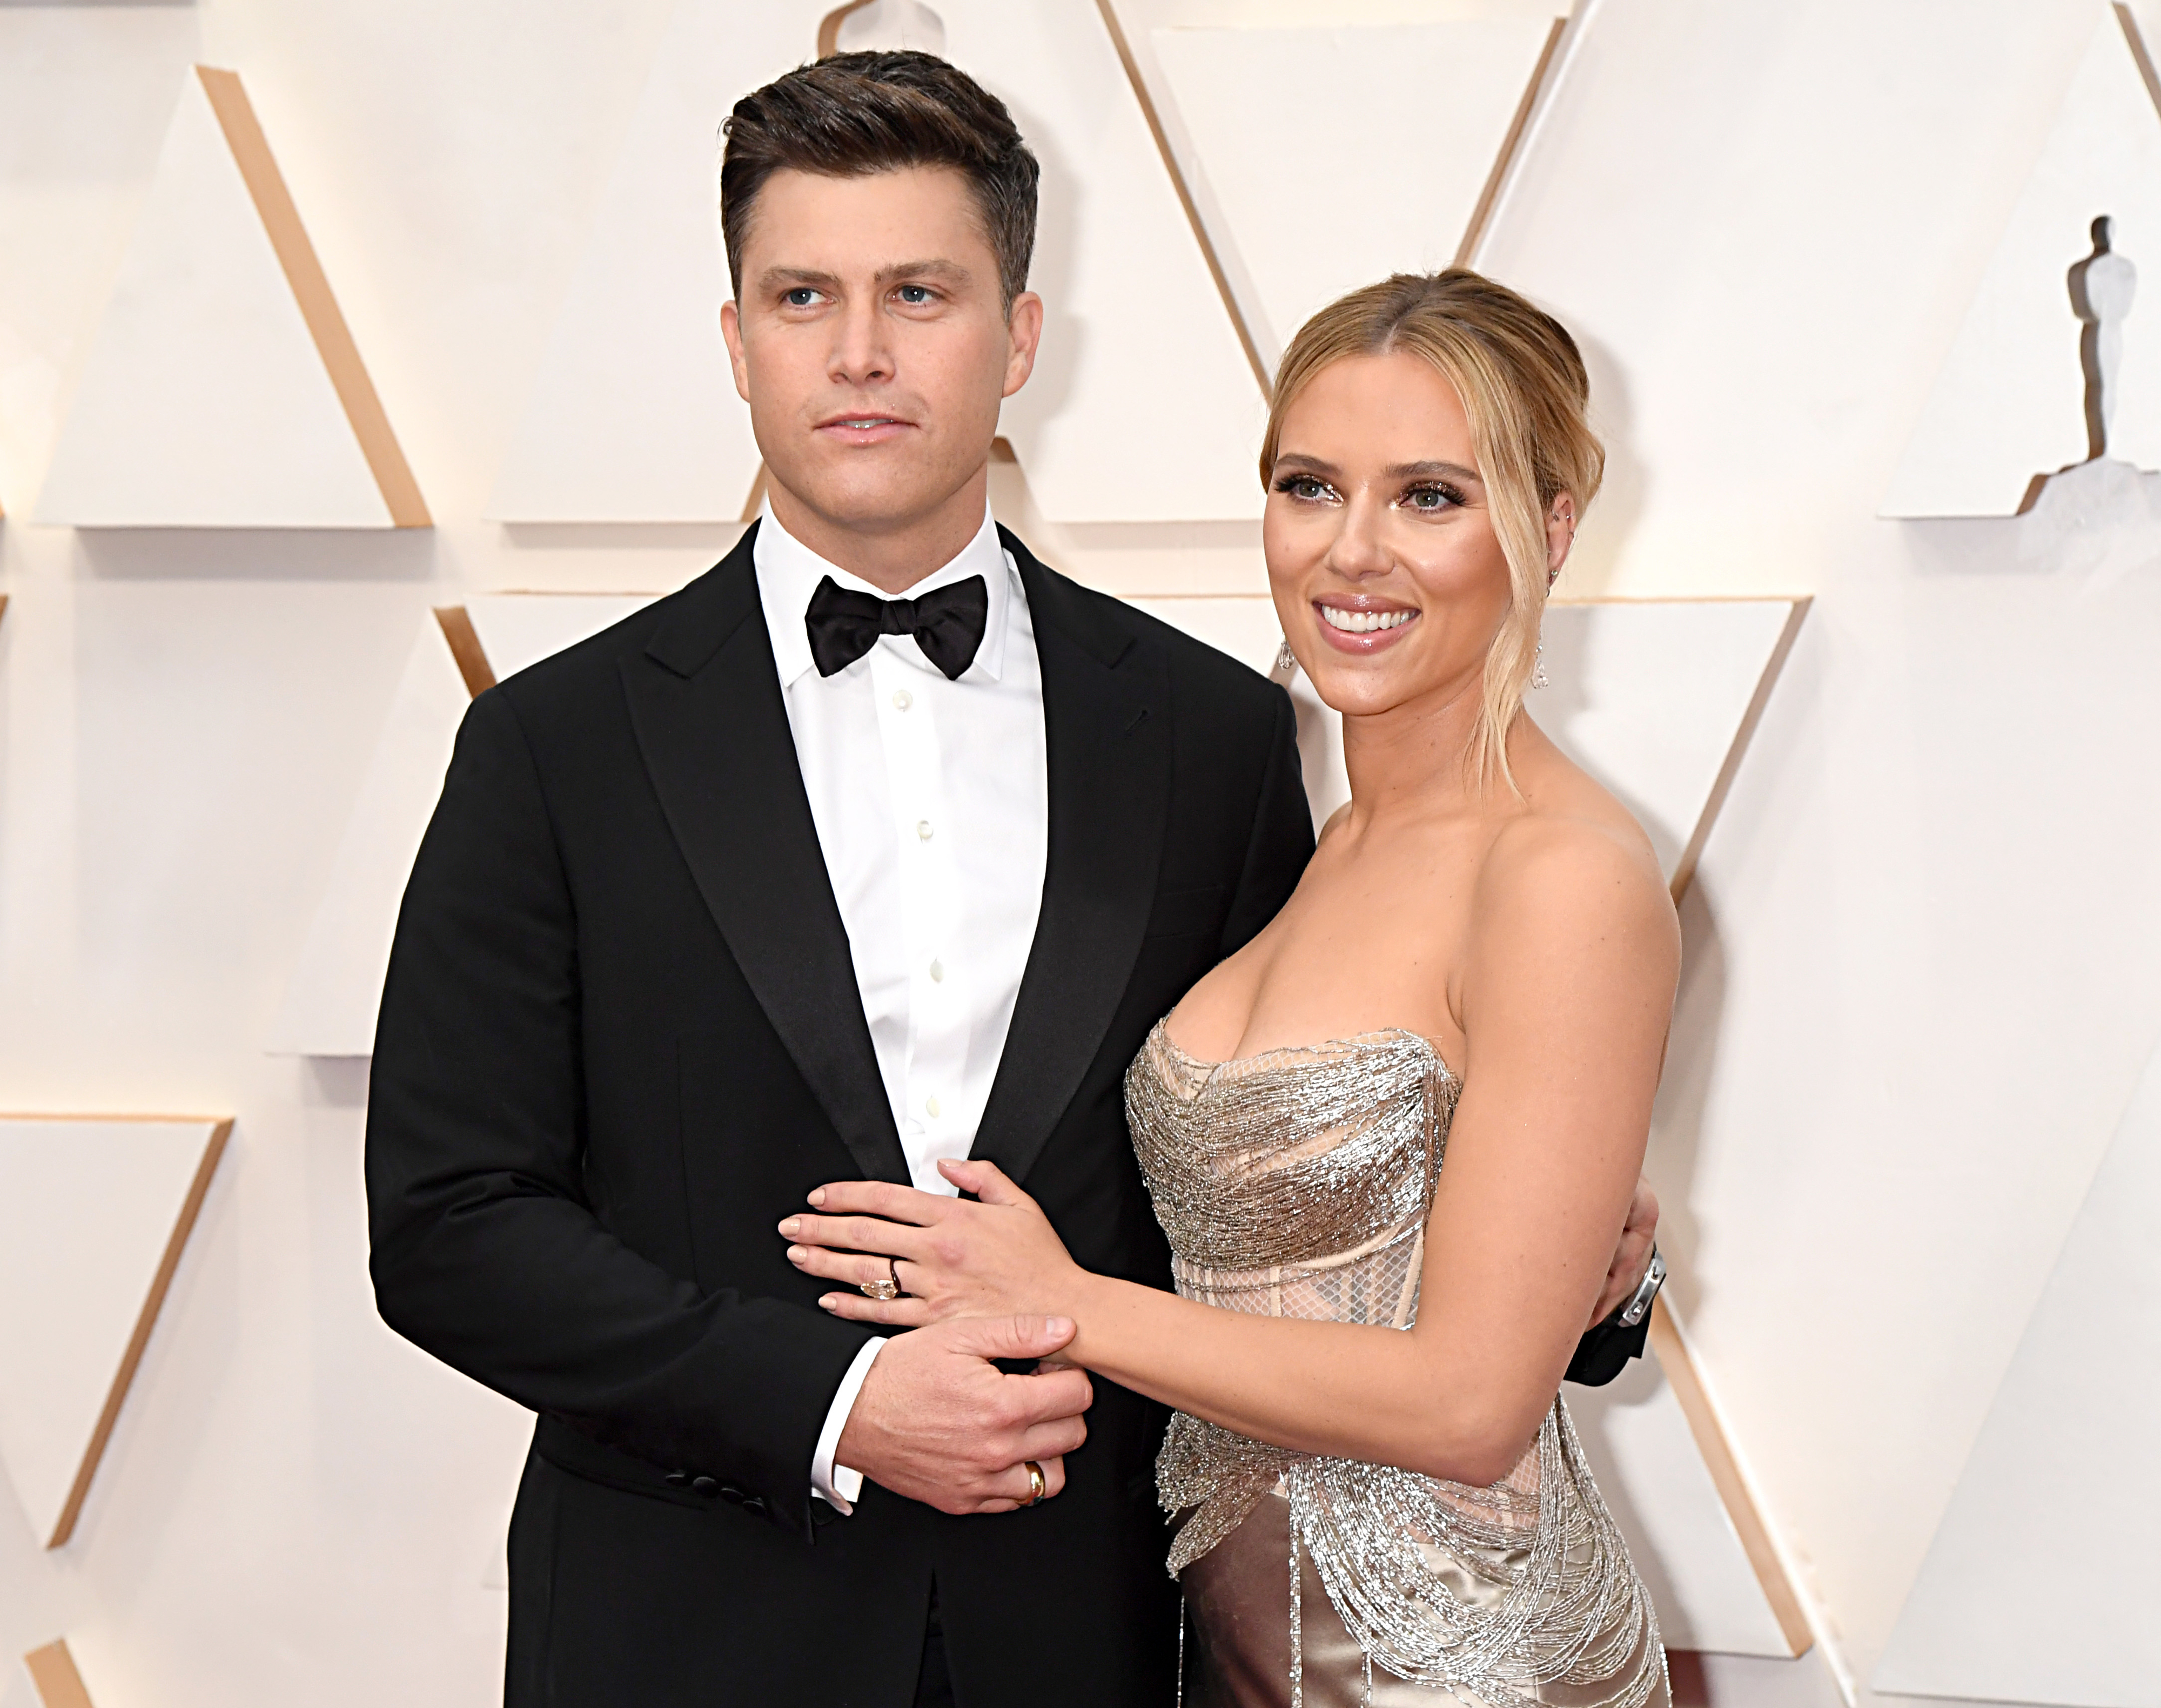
837	1485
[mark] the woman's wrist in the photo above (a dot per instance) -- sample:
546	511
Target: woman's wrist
1094	1309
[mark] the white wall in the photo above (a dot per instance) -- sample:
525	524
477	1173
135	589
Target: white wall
1924	966
1924	945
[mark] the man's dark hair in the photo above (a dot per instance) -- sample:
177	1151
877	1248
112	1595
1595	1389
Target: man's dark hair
854	114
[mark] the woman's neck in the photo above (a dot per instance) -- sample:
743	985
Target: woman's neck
1414	761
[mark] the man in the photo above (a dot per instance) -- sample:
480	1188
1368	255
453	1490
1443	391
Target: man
878	844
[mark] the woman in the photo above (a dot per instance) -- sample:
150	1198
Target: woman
1379	1488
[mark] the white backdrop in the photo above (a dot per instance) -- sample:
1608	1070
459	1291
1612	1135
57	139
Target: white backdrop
1925	955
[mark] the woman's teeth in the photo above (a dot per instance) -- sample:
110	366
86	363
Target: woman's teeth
1364	621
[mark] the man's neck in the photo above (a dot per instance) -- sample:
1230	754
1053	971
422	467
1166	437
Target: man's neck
892	558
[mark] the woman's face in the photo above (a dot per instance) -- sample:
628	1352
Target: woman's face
1386	573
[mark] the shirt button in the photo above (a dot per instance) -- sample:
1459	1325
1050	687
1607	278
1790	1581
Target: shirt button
922	829
901	699
930	1107
937	972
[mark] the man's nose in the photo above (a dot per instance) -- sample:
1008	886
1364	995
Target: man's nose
861	354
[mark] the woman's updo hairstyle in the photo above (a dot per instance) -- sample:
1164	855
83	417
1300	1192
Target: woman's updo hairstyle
1523	385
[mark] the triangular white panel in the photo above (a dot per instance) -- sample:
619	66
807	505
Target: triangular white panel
330	1002
331	998
2010	401
1648	697
204	400
2043	1583
634	415
1143	406
1652	1475
520	629
1268	111
89	1212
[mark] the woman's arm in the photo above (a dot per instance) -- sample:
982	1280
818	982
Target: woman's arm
1567	990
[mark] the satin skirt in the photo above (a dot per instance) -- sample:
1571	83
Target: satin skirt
1237	1641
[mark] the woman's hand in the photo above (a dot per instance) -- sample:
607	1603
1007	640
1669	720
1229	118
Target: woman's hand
996	1257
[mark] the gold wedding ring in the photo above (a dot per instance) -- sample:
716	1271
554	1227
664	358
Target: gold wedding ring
1039	1486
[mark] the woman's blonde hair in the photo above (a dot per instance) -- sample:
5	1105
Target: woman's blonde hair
1523	385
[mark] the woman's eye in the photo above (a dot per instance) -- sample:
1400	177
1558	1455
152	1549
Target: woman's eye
1302	486
1431	500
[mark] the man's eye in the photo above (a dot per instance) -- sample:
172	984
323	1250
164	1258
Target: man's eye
802	297
915	295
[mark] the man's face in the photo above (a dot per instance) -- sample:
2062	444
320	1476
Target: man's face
871	343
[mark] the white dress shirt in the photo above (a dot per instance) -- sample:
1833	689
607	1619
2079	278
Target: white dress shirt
931	799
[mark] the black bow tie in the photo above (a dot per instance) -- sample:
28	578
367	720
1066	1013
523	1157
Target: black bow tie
947	624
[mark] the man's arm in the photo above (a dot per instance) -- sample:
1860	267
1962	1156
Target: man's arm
487	1253
1612	1341
485	1250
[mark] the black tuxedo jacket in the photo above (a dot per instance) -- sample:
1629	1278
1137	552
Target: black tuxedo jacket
620	1037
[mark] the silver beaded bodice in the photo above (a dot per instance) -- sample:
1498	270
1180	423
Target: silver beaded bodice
1297	1183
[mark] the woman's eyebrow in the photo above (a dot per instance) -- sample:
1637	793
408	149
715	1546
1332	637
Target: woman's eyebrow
1411	471
1395	471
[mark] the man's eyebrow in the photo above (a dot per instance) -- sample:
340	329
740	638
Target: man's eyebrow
951	270
795	278
777	278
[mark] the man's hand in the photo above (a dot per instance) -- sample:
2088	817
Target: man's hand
1631	1258
938	1422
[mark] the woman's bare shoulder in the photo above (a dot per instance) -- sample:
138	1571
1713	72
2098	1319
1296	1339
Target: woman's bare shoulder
1575	859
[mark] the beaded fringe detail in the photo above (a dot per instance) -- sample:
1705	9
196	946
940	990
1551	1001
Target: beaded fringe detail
1297	1184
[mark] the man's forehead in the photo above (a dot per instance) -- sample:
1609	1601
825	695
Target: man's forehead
868	223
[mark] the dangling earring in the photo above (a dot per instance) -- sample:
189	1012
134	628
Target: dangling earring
1286	664
1538	677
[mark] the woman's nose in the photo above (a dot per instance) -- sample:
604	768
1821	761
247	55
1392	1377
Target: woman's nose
1359	549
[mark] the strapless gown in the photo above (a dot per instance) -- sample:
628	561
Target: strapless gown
1298	1184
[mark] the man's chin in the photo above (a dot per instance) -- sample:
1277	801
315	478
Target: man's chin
898	497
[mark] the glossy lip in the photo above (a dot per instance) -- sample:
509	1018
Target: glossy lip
1379	640
883	427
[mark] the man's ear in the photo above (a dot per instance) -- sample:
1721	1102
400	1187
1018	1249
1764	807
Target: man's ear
731	336
1024	326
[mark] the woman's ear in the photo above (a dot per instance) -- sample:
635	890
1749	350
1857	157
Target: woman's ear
1561	535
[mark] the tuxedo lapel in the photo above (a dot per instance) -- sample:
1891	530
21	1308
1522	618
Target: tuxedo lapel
1106	726
705	699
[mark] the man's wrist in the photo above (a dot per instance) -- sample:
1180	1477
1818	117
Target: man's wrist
840	1485
1636	1307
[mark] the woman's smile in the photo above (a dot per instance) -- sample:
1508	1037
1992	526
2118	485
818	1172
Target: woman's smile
1356	623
